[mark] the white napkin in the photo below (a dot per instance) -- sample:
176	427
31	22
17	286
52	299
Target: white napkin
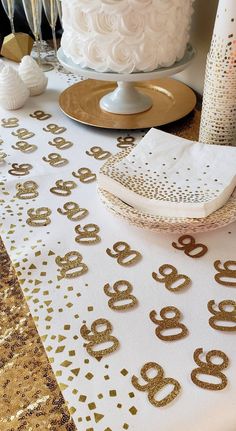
172	177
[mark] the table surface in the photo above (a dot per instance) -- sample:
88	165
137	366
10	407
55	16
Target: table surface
31	397
48	407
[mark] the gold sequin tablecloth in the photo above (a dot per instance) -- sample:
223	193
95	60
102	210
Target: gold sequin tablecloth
98	390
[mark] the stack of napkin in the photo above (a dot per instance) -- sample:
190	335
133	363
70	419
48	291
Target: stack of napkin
169	176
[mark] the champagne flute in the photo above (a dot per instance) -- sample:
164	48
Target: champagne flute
9	9
51	12
33	12
59	8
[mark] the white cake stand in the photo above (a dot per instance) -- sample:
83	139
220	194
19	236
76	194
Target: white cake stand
126	99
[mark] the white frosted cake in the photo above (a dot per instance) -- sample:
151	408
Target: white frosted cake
125	36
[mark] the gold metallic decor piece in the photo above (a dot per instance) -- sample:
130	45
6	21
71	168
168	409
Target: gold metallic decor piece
226	312
167	323
54	128
73	211
172	100
60	143
27	190
10	122
20	170
85	175
55	160
24	147
210	368
96	337
16	46
124	254
188	244
88	234
170	276
118	294
40	115
23	133
72	260
30	395
39	217
63	188
126	142
225	273
98	153
155	384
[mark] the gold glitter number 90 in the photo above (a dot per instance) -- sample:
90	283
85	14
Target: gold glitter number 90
60	143
27	190
155	384
39	217
124	254
188	245
85	175
226	272
170	276
69	262
210	369
126	142
222	314
168	323
73	211
88	234
120	295
96	337
98	153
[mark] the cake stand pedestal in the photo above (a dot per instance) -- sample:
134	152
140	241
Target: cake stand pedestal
128	96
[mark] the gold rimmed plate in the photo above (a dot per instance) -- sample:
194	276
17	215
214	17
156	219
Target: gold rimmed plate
172	100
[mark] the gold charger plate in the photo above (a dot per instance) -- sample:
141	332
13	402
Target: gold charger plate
220	218
172	100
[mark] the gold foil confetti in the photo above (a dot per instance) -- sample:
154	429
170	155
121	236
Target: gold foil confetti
119	295
40	115
85	175
60	143
39	217
170	276
23	134
73	211
222	314
20	170
10	122
24	147
210	368
96	337
53	128
55	160
167	323
125	142
63	188
70	262
87	234
124	254
225	273
27	190
155	384
98	153
188	244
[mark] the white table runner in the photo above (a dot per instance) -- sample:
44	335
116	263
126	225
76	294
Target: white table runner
100	393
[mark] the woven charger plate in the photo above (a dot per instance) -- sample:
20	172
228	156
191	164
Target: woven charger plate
220	218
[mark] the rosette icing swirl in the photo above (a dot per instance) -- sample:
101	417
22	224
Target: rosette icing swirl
125	36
